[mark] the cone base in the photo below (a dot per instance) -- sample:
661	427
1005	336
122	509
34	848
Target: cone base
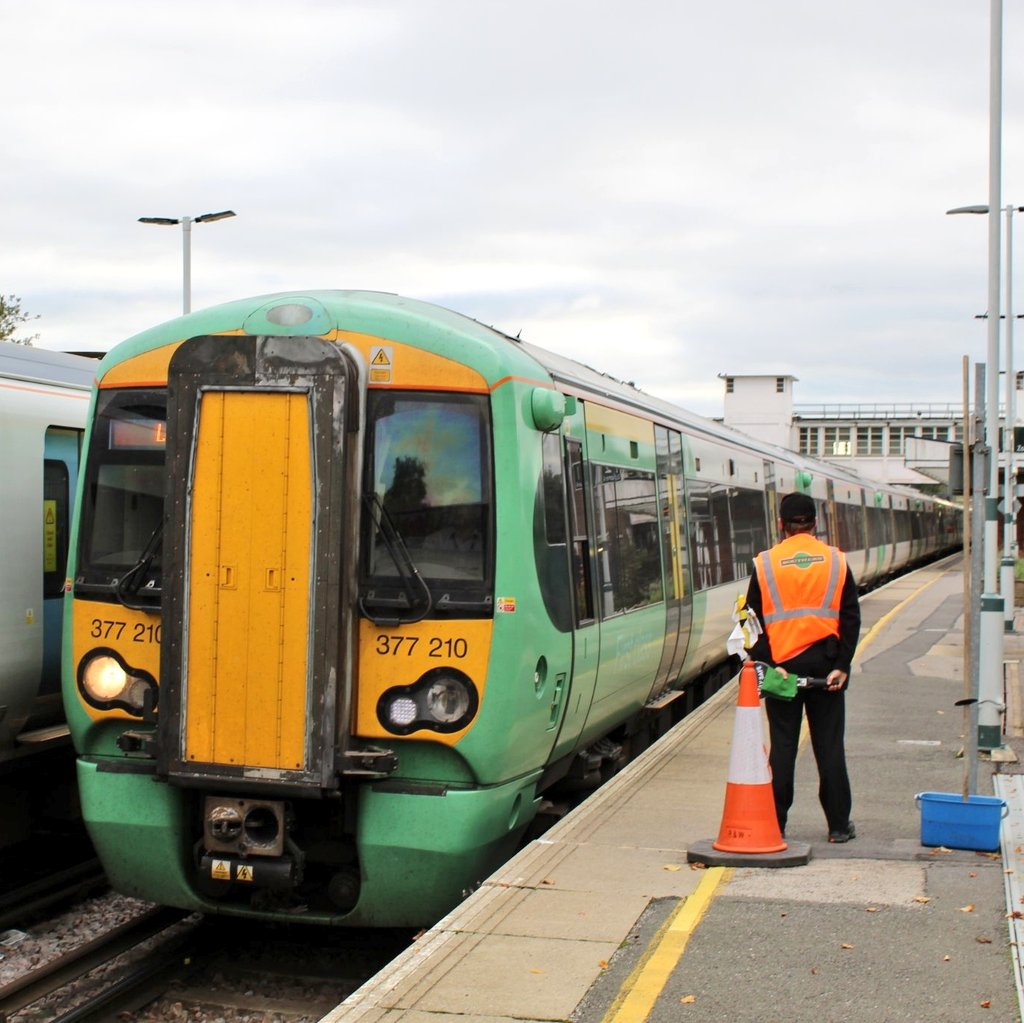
750	847
796	854
749	824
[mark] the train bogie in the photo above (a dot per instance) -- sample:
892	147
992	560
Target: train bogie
360	582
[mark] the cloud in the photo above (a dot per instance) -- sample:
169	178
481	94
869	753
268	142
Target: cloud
666	191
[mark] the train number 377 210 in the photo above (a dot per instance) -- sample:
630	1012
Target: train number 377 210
134	632
436	646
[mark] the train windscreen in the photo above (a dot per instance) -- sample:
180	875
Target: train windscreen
122	511
429	499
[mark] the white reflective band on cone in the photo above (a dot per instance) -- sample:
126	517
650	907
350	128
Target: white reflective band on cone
748	758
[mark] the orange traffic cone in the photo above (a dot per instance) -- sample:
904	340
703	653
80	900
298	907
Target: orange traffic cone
749	824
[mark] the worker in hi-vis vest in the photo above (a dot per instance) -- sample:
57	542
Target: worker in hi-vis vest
805	595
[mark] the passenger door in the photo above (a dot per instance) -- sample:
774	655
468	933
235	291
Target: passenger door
675	555
60	477
586	637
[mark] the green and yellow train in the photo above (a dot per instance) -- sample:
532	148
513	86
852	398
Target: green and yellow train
358	582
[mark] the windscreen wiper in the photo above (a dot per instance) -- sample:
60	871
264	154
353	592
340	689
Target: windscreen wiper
407	570
128	586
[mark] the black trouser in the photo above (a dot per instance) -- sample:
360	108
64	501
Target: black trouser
826	720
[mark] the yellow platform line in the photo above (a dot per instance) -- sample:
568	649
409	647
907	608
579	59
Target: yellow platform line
872	633
642	987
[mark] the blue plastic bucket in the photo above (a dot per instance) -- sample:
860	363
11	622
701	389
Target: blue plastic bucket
947	819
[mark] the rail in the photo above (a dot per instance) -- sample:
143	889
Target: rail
50	978
881	410
41	893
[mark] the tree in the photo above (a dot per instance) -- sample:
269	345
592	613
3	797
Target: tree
12	317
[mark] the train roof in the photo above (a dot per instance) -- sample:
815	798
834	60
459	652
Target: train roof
582	377
379	311
41	365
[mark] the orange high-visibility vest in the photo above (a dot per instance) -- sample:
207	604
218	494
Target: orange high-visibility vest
801	581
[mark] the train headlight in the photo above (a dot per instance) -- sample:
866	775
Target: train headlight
447	700
107	682
402	711
441	700
104	678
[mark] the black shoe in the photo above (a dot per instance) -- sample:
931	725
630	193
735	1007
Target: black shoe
844	834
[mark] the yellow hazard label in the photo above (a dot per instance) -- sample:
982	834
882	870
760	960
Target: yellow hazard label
49	536
220	870
243	872
381	361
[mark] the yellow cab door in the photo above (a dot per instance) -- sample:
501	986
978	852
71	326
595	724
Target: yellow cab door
261	487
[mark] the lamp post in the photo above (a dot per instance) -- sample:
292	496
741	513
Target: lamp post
990	620
186	245
1006	568
1007	574
991	627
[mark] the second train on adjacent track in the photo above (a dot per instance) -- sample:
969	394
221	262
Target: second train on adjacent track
44	399
358	581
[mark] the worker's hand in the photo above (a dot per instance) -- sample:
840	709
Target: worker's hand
836	681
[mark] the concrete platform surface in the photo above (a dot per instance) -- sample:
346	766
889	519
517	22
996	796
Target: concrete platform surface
604	921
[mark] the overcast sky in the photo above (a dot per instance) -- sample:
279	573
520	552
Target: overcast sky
664	189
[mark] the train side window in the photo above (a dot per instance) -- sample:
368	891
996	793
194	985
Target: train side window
581	574
876	528
56	498
749	531
628	534
710	534
848	518
554	490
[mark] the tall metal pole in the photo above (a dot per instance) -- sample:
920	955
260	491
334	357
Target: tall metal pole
1006	573
186	264
970	605
992	631
979	453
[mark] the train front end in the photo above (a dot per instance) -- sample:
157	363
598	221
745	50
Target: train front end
282	621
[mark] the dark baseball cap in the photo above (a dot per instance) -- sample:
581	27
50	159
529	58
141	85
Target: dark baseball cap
797	507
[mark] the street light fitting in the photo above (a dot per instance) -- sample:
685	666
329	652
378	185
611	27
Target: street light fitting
186	245
1001	575
205	218
979	209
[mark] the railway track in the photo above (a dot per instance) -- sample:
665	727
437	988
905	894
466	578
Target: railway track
61	885
62	988
166	964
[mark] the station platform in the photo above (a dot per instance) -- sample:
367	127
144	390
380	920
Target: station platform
603	920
